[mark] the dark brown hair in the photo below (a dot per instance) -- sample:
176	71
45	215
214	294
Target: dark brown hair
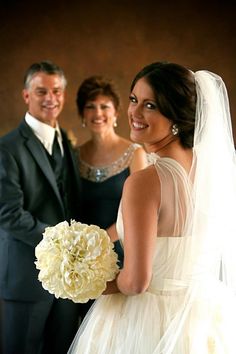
175	93
94	86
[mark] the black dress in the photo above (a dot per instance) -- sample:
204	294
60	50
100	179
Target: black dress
102	190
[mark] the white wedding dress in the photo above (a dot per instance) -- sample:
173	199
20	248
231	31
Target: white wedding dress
187	309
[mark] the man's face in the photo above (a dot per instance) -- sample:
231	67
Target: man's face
45	97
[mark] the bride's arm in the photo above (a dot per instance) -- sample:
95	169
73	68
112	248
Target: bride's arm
138	162
111	230
140	203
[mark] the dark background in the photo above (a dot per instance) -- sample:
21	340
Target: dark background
115	38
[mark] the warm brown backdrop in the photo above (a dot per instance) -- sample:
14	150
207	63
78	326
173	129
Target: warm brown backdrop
112	37
115	38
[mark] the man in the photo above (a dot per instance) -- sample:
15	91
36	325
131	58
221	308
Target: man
38	188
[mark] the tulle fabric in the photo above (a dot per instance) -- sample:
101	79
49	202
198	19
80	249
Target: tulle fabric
135	325
190	305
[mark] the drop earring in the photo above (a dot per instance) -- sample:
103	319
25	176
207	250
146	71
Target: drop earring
83	123
175	129
115	124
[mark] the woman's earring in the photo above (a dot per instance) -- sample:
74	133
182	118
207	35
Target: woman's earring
83	123
175	129
115	124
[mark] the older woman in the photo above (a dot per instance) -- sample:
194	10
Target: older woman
106	159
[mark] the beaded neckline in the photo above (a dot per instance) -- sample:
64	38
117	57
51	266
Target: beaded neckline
101	173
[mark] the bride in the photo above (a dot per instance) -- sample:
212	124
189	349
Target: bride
176	291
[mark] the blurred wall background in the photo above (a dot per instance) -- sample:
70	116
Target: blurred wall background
115	38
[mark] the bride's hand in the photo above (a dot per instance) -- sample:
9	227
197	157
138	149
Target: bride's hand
111	288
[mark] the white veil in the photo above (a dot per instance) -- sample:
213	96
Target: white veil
208	258
214	227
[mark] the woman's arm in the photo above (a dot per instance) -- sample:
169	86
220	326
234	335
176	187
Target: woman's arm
111	230
140	203
139	162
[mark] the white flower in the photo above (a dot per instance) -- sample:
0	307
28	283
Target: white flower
75	261
152	158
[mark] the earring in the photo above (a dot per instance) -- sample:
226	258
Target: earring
115	124
175	129
83	123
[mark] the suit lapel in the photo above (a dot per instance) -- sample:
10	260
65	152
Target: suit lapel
39	154
72	158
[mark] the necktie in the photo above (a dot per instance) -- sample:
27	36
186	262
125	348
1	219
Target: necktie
56	154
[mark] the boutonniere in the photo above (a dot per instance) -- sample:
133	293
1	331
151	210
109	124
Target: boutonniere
72	138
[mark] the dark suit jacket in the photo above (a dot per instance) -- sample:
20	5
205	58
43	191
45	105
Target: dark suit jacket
29	202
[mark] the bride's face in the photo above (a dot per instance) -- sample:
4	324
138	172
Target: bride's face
147	124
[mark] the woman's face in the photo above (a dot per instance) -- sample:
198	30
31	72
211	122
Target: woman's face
147	124
100	114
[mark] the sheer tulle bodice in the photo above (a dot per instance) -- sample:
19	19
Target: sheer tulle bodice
176	312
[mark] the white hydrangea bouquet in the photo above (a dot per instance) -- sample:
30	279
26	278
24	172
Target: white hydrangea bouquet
75	261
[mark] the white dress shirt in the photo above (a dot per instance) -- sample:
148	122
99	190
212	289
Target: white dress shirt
44	132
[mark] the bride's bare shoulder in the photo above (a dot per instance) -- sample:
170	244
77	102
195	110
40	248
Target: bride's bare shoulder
145	180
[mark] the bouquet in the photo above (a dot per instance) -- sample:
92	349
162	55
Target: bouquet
75	261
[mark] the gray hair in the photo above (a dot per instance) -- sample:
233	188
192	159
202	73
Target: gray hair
46	67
